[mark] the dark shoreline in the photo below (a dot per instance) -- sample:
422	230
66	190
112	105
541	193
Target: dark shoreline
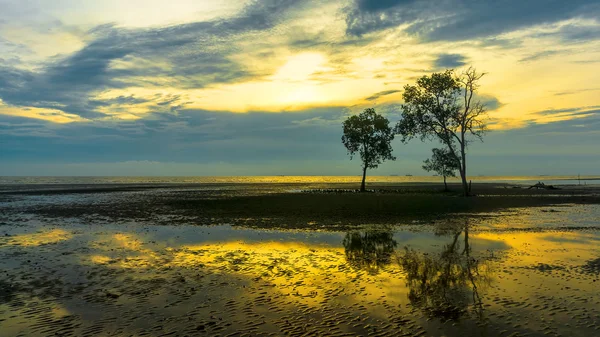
480	187
328	206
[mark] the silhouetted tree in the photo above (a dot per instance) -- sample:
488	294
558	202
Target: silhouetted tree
443	106
446	284
369	250
370	135
443	163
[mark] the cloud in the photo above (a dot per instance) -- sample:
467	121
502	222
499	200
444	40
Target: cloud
490	102
573	111
12	52
13	128
455	20
540	55
573	92
381	5
307	142
575	116
573	32
191	55
586	61
190	135
381	94
450	61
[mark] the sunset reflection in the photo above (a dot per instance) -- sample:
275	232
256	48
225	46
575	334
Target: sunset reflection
446	284
45	237
403	280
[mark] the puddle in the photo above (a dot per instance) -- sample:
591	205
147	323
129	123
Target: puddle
507	276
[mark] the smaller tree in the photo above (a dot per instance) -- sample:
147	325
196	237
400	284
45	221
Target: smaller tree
442	162
370	135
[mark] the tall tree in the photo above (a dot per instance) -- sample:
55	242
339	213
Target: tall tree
443	163
444	107
370	135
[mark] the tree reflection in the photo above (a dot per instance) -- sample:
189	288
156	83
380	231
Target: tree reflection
369	250
446	284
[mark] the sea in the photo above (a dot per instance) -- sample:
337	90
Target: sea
400	179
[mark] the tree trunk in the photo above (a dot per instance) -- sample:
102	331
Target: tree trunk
465	185
445	185
463	168
362	186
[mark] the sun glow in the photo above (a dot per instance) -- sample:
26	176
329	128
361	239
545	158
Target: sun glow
300	67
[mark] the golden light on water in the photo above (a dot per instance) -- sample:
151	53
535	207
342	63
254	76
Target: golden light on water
348	281
41	238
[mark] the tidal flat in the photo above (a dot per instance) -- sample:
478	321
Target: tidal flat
272	260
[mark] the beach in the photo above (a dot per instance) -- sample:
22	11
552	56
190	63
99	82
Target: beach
301	258
299	168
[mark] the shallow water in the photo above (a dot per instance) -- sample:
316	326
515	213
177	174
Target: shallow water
24	182
529	272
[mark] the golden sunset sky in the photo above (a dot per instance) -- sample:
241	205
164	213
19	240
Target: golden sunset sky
81	77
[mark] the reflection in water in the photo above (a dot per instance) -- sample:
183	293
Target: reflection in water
369	250
177	280
592	266
446	284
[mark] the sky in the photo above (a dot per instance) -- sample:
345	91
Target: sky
233	87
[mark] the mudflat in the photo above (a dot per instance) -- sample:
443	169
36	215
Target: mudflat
299	259
282	205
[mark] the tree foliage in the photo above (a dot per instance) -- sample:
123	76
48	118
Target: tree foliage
369	135
443	106
443	163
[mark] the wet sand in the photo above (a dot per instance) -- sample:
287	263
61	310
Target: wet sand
300	206
154	271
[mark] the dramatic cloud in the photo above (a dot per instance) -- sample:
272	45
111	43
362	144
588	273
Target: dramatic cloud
190	136
266	143
455	20
450	61
265	84
186	56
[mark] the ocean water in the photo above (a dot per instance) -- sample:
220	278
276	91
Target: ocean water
83	180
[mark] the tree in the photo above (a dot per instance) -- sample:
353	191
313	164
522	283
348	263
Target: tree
370	250
443	107
368	134
446	284
443	163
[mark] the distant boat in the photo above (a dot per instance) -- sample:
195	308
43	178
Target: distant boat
409	175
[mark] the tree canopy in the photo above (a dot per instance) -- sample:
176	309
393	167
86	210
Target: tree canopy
370	135
444	106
